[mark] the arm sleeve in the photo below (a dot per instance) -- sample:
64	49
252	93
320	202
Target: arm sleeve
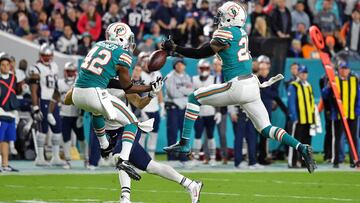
292	103
122	58
223	35
202	52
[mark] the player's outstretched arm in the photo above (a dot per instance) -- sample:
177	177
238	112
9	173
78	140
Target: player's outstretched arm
127	85
206	50
137	101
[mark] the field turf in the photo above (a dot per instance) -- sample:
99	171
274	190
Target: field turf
219	187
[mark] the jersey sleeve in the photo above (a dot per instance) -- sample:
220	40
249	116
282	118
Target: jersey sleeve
122	58
223	35
34	69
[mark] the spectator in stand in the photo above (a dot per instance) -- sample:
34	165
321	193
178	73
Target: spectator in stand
301	33
294	70
24	30
156	35
147	45
21	10
258	12
298	15
85	45
269	7
44	36
261	28
147	10
330	46
165	15
309	50
43	18
67	43
90	21
206	18
111	16
58	29
281	20
132	17
295	49
350	31
326	19
350	5
6	24
102	7
36	8
55	5
189	33
188	7
71	19
319	6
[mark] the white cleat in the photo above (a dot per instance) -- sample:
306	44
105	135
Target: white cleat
57	162
212	163
256	167
41	162
124	200
67	165
195	189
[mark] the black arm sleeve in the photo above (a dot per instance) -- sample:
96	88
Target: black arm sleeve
114	84
202	52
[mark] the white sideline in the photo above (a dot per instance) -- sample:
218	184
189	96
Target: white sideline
165	191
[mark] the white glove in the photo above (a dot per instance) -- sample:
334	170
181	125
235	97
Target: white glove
217	117
162	110
51	119
80	122
156	87
36	113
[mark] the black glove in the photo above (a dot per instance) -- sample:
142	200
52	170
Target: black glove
168	45
36	113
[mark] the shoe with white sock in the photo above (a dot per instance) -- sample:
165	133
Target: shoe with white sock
56	161
256	166
242	165
195	189
41	162
67	165
212	163
124	200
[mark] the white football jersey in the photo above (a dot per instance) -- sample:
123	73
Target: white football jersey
153	106
67	110
205	110
48	78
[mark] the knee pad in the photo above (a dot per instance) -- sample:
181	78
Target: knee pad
56	139
40	139
192	99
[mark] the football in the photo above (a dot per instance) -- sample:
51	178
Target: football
157	60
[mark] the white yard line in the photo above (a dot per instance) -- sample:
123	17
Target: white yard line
304	197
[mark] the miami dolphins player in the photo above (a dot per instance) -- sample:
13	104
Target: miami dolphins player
105	61
230	43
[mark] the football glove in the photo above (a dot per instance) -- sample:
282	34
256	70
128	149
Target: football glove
156	86
168	44
36	113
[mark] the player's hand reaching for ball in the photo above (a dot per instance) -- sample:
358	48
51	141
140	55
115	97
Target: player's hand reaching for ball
156	86
168	44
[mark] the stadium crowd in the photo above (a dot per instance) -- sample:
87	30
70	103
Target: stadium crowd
72	27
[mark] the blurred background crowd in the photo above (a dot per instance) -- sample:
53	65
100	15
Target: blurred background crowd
72	27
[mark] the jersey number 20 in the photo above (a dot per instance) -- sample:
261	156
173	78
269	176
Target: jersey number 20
95	64
243	53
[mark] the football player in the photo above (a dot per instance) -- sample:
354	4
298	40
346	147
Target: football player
43	77
105	61
72	119
230	43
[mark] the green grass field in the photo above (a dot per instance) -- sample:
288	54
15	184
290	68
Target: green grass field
218	188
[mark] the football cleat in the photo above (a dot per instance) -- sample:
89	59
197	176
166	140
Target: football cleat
124	200
195	189
57	162
9	169
125	166
212	163
307	154
67	165
183	146
41	162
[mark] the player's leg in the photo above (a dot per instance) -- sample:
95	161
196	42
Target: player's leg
215	95
41	135
259	116
84	147
66	132
153	135
209	129
56	139
199	129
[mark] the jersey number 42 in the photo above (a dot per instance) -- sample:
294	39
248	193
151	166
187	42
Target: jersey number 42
95	63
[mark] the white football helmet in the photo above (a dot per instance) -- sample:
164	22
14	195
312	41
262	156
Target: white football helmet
121	34
70	71
204	68
231	14
46	53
